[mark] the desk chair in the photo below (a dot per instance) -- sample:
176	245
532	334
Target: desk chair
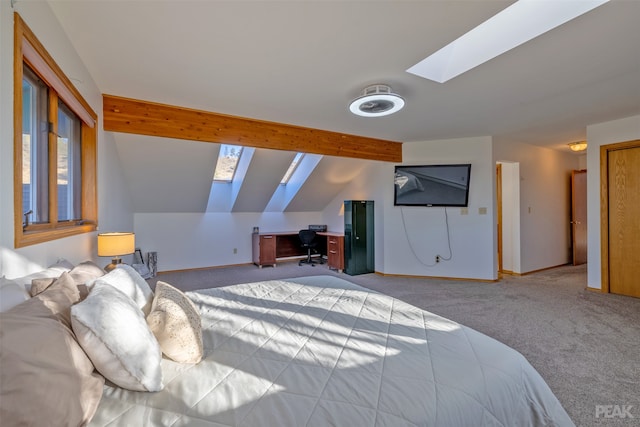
309	242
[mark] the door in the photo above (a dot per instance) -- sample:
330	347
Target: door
579	216
360	237
624	219
499	210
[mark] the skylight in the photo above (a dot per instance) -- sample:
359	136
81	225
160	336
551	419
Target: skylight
522	21
292	168
227	162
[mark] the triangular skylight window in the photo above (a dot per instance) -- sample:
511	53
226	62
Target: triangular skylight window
227	162
292	168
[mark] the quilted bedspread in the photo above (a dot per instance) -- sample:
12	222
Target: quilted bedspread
321	351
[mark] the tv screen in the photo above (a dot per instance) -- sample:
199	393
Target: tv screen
432	185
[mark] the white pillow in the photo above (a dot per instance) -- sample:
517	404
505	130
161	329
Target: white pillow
175	322
25	281
11	294
62	265
127	280
115	336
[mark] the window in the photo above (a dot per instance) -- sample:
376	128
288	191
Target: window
228	159
292	168
55	148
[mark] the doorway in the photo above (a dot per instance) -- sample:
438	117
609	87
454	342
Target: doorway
508	216
579	216
620	217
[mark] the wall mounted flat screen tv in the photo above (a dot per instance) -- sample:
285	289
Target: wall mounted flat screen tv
432	185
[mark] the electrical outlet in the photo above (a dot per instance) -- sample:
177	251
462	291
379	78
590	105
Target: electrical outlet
437	259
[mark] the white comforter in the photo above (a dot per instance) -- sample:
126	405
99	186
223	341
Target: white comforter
320	351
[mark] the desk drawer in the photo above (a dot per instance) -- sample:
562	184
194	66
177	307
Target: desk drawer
335	250
264	249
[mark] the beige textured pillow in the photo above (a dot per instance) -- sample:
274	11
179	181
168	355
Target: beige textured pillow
59	296
45	377
81	273
175	322
41	284
112	331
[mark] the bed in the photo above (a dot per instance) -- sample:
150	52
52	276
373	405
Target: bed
322	351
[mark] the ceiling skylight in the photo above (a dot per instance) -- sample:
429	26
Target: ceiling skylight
228	158
292	168
515	25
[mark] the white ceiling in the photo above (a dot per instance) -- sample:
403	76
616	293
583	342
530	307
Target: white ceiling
302	62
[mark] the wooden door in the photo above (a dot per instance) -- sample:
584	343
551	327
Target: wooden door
579	216
499	209
623	219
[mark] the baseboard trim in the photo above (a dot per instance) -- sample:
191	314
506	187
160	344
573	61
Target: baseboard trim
535	271
410	276
379	273
184	270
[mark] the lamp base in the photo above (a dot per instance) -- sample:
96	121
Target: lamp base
114	263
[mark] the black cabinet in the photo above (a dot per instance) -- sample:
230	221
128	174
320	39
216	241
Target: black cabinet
358	237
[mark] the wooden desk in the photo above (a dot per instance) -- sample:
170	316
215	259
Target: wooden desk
269	247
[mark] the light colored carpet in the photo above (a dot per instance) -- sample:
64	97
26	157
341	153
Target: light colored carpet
585	344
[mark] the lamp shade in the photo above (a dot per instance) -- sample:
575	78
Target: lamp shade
117	243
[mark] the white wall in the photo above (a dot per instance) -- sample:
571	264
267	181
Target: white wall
545	239
114	212
414	236
198	240
369	184
626	129
424	229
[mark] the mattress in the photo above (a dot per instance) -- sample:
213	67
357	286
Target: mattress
321	351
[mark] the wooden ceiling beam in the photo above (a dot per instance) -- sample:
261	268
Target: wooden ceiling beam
150	118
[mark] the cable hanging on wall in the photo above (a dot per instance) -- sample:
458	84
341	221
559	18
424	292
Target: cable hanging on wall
438	256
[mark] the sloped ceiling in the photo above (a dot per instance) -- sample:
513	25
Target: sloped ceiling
325	182
262	179
167	175
302	61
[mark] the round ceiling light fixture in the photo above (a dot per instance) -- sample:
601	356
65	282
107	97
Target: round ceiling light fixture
578	146
376	101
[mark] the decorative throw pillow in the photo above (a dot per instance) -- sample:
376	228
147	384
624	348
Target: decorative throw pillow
40	285
175	322
59	297
25	281
11	294
81	273
113	332
86	271
61	265
46	377
128	281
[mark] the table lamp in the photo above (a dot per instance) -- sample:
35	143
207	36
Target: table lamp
116	244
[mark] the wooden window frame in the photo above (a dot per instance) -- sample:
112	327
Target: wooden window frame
59	86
